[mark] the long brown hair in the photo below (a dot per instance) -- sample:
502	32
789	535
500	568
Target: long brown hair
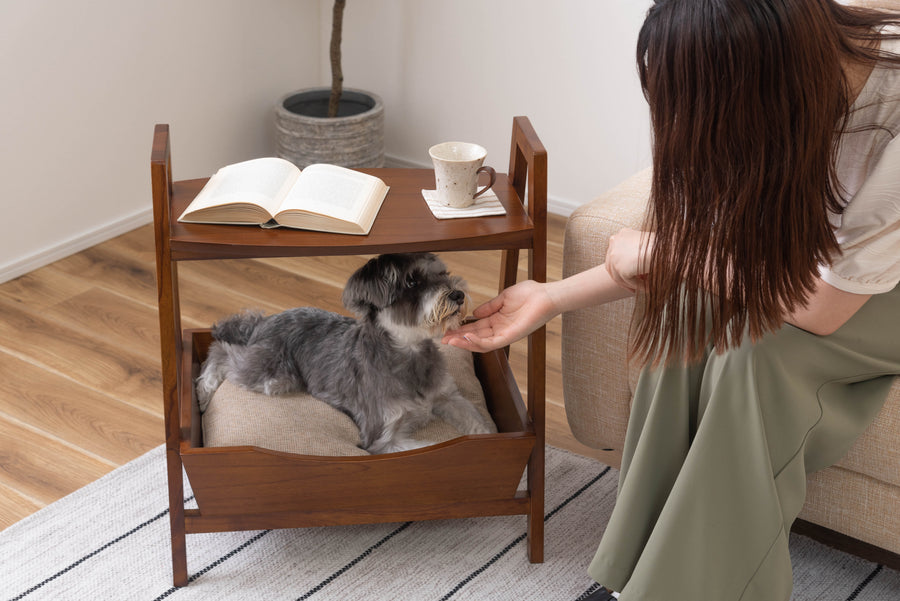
747	101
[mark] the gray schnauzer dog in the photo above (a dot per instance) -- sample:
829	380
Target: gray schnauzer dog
383	369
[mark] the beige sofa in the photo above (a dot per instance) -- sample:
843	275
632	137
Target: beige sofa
859	497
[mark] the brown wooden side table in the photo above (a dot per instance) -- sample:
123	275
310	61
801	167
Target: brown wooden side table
249	488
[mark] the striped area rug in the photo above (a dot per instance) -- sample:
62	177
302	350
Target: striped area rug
109	541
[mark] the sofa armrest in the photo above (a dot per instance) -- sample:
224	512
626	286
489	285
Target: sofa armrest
596	380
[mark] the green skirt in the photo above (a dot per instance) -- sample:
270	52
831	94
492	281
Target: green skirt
717	453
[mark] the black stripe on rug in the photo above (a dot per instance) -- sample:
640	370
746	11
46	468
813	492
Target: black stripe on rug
94	553
865	583
358	559
522	537
217	562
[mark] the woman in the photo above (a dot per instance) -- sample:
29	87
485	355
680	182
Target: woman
766	280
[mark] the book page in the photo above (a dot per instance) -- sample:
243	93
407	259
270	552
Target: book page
334	191
261	182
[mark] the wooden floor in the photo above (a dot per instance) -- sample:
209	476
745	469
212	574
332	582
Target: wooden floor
80	388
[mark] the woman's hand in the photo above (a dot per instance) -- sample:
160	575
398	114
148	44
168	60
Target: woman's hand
521	309
628	258
516	312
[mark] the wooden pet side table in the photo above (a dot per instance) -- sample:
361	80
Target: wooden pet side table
250	488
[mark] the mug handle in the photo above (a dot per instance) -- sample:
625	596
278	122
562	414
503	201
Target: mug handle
492	173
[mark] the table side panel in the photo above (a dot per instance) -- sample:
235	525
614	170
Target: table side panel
235	480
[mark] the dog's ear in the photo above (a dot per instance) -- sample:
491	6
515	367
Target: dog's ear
373	286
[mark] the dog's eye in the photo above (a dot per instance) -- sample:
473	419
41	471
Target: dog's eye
411	281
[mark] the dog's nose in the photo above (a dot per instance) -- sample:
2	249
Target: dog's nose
457	296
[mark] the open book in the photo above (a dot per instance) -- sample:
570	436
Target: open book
273	192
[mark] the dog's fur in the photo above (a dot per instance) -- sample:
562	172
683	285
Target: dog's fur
383	369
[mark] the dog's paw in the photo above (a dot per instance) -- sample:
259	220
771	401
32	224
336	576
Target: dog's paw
483	429
205	388
460	413
397	446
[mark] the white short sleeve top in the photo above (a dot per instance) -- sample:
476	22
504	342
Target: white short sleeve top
868	168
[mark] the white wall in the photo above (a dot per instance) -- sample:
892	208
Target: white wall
84	83
461	70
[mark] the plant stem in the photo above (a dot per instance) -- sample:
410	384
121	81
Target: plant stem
337	74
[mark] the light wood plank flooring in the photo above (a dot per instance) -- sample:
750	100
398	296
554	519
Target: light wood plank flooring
80	388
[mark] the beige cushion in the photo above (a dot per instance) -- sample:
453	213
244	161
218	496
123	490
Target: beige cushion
852	503
876	453
302	424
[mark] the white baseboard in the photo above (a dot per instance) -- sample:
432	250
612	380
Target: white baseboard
396	162
23	265
561	206
557	206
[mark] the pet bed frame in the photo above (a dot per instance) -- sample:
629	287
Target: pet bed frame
251	488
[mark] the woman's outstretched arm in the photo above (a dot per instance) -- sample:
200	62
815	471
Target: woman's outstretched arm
521	309
526	306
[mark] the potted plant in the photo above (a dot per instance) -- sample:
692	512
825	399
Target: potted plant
337	125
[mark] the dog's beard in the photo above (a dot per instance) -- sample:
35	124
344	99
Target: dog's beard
446	314
437	315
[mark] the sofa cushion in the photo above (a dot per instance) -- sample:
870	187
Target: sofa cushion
854	504
302	424
876	452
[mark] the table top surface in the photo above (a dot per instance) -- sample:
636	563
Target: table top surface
404	224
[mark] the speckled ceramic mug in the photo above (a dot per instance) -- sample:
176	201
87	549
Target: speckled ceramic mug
456	169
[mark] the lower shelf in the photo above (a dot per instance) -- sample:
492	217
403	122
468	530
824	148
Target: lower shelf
248	488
